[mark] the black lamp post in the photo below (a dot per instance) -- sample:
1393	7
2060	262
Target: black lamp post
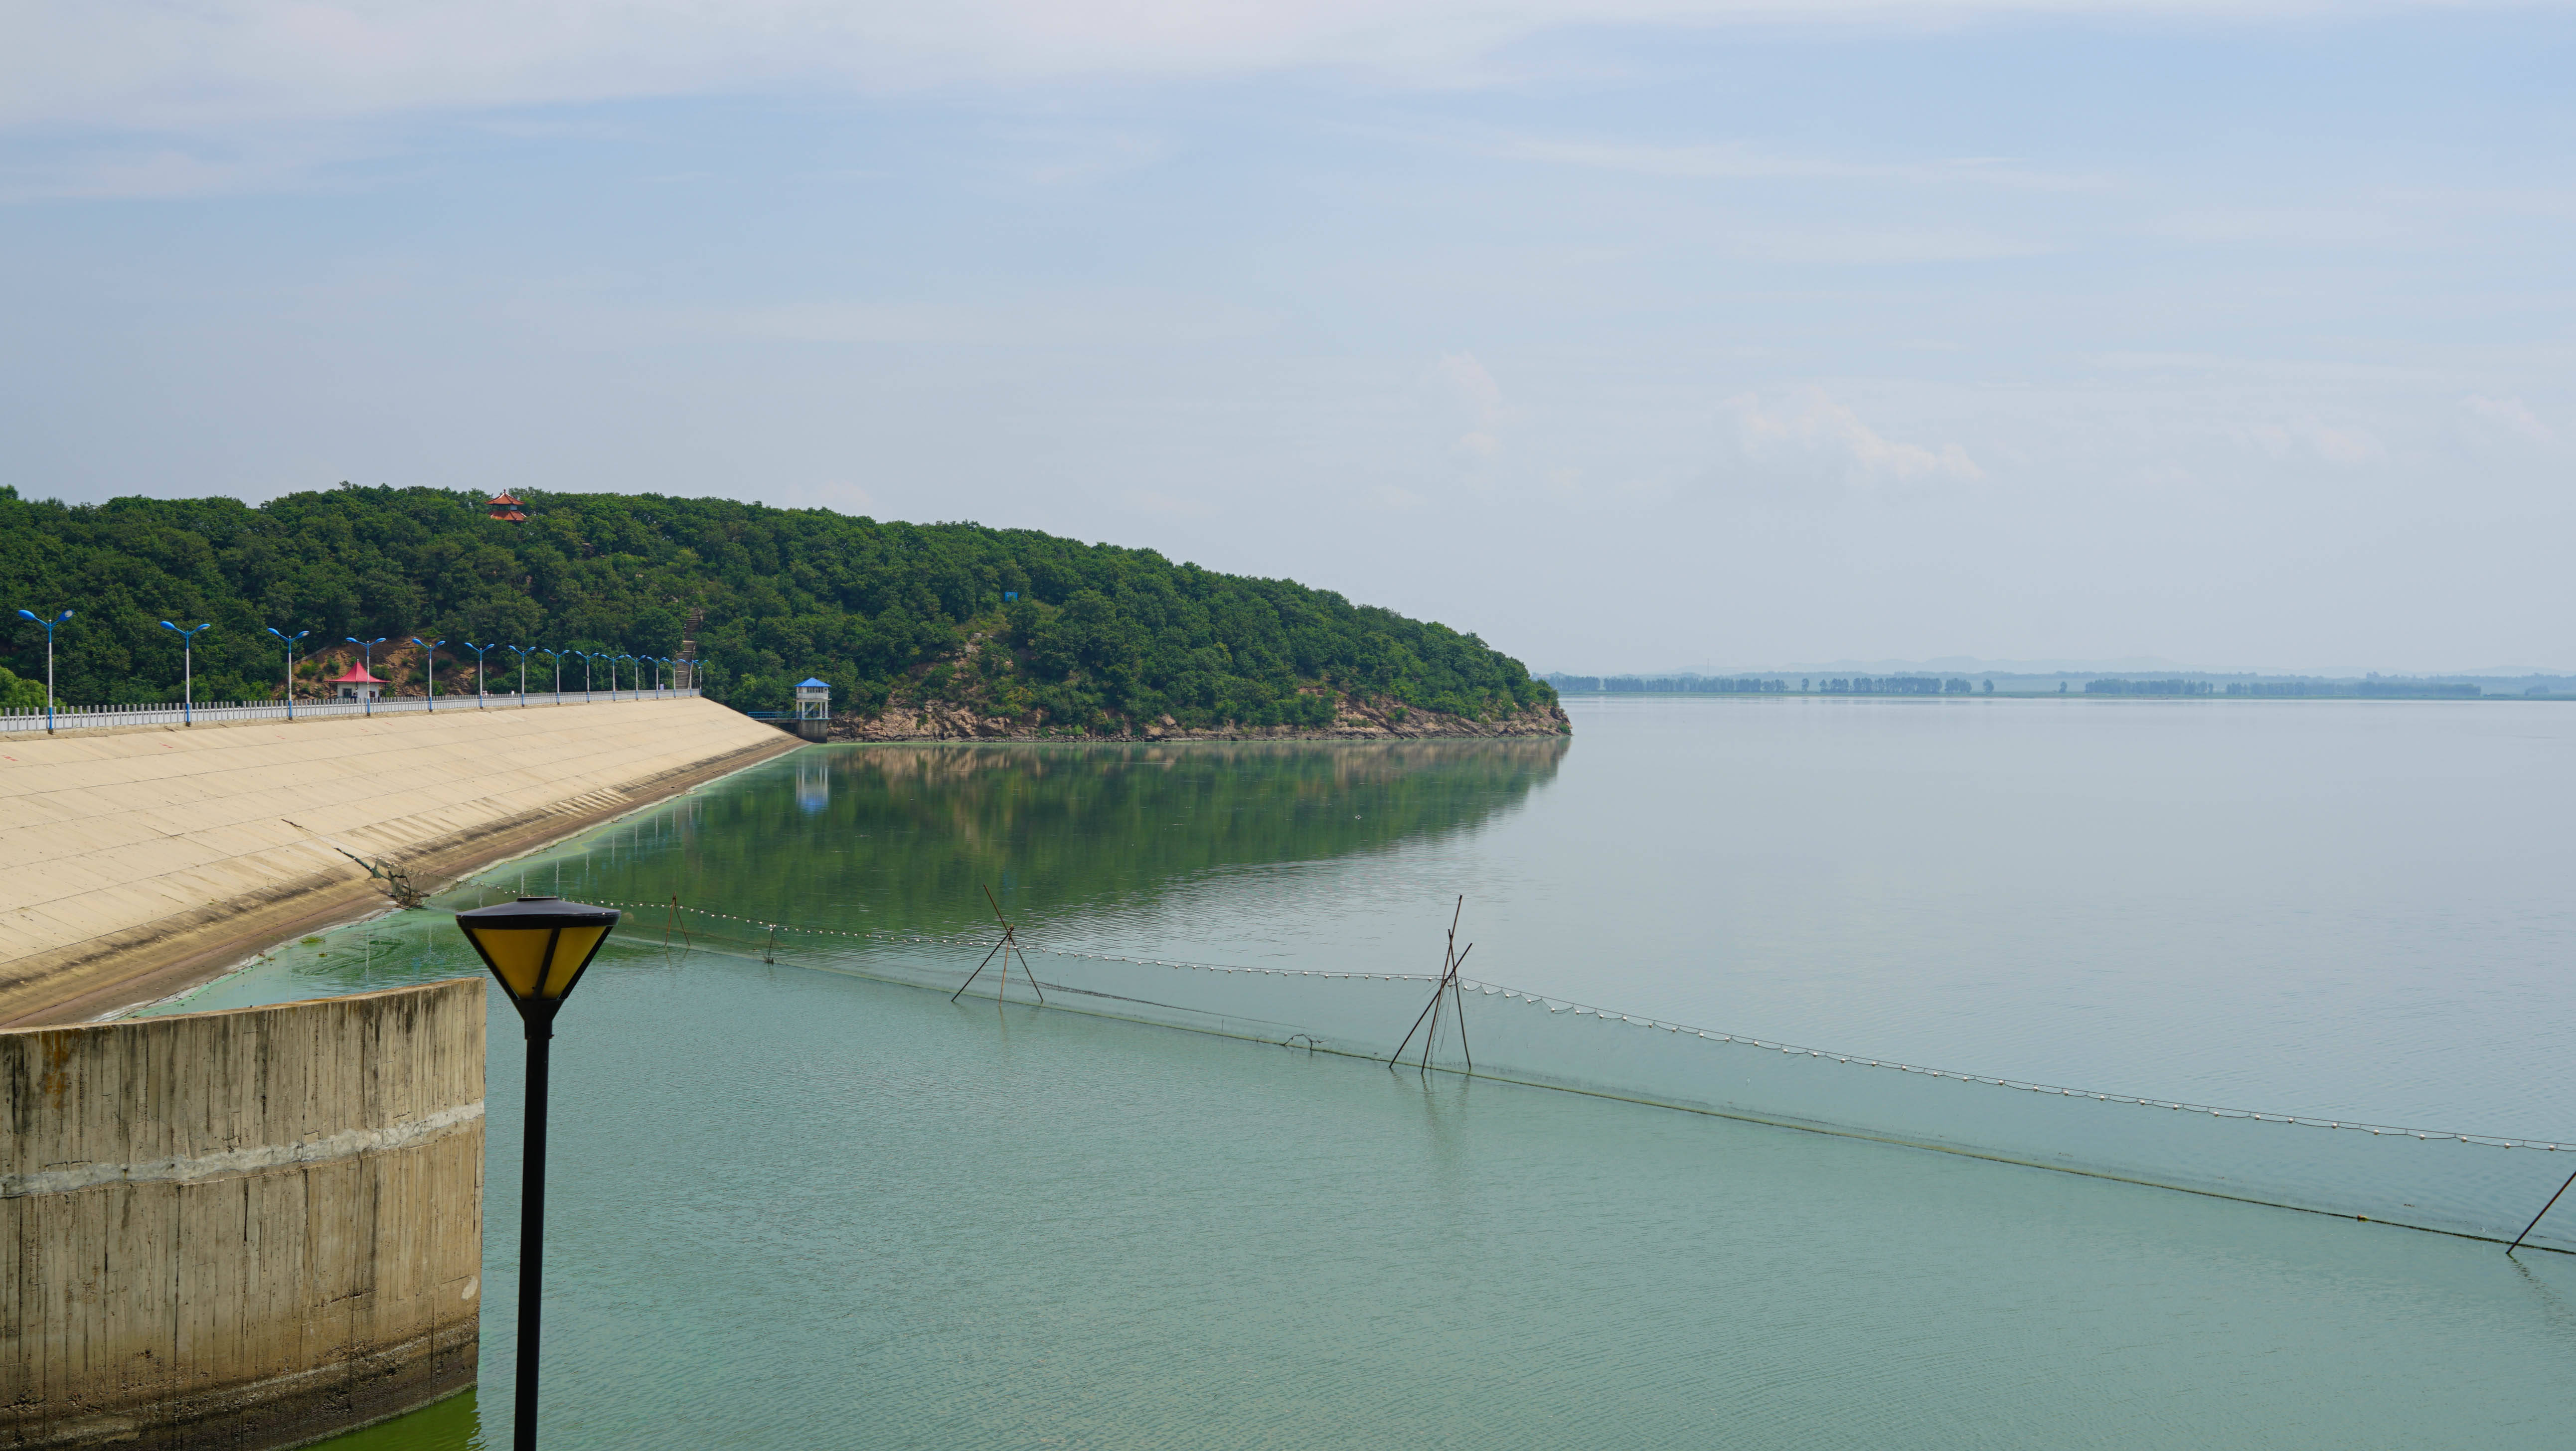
537	947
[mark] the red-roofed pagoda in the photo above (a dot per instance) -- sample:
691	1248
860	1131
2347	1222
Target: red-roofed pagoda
355	683
506	509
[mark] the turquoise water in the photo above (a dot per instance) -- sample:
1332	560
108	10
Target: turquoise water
794	1206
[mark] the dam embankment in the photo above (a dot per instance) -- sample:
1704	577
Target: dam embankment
240	1229
136	863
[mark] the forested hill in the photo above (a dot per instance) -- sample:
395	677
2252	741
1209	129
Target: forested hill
1098	637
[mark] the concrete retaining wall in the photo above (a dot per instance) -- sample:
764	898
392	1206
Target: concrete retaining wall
240	1229
133	864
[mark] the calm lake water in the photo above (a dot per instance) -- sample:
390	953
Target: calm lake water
796	1206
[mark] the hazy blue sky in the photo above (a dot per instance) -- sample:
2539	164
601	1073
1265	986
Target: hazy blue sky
1630	336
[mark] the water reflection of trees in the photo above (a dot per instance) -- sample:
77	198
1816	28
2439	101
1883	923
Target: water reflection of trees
899	835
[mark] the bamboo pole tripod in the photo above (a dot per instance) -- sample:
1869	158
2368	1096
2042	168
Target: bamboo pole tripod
2535	1219
1447	987
1005	949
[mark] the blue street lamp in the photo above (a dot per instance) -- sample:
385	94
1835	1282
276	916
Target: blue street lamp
478	671
187	669
429	648
49	660
586	658
558	654
524	653
289	641
370	647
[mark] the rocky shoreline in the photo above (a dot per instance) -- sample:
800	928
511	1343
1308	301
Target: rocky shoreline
1380	720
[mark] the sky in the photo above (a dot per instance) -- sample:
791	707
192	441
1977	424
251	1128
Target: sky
1642	335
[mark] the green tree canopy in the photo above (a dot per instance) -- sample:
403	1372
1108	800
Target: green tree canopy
1097	636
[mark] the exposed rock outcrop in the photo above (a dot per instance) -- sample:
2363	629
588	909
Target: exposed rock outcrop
1353	720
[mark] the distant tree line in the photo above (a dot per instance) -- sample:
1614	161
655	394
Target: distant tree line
1896	685
2371	687
2377	689
1669	684
1766	685
2151	687
1093	636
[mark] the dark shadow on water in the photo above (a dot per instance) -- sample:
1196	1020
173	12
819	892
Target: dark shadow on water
907	837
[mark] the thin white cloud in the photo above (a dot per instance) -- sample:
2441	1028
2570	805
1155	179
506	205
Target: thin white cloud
2294	226
1473	386
232	162
1110	318
1809	434
1475	392
185	62
2345	444
1871	246
1733	161
2224	369
2512	415
1165	506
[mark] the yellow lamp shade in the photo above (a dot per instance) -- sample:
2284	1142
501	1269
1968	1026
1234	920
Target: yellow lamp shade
537	946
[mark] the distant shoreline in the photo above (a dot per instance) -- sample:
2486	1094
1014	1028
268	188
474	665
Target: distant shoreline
2212	696
1353	721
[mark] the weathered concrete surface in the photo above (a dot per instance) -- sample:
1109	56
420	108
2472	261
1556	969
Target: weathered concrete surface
137	863
240	1229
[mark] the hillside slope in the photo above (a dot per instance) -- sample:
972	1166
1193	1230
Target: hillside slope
911	621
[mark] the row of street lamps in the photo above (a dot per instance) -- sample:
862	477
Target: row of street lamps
429	649
367	648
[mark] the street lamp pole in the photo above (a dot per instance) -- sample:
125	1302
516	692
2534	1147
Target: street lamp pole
370	647
49	659
585	675
478	671
187	669
524	652
537	947
429	648
290	665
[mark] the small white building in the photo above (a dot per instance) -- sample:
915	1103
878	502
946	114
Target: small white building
813	708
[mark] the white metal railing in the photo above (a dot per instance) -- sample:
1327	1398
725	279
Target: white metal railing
108	716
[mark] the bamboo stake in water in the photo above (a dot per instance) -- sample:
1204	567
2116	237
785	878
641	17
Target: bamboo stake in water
2535	1219
1450	961
1009	944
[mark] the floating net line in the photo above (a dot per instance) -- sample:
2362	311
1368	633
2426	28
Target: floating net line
2382	1172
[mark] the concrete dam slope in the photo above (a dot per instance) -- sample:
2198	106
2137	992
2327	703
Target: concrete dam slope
240	1229
136	863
